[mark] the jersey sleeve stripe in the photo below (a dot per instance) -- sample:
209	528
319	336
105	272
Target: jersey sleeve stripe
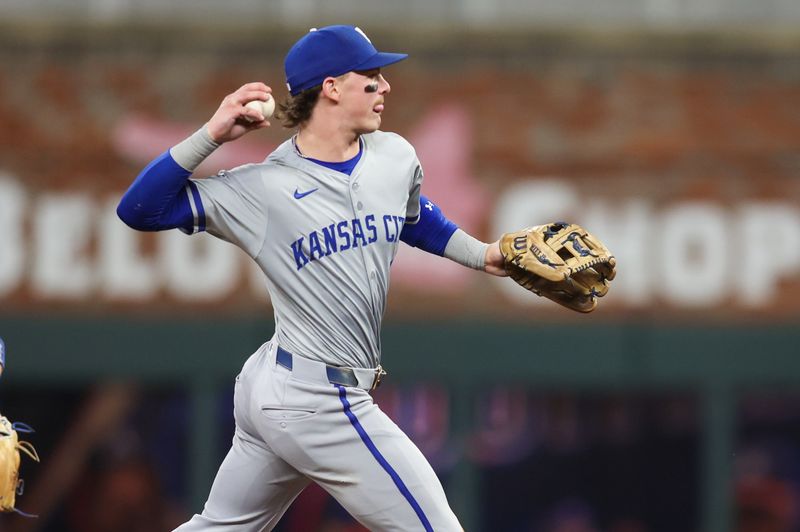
197	207
190	195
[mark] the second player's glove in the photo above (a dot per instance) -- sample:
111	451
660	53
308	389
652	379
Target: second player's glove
10	448
559	261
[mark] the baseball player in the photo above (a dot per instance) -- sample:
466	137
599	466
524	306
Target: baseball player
323	217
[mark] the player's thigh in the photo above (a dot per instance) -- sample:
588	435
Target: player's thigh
252	490
379	474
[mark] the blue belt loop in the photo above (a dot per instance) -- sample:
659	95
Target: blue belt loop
284	358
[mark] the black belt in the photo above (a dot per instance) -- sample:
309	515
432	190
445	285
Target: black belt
336	375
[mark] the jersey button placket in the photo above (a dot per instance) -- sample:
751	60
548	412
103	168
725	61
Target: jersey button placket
370	274
355	187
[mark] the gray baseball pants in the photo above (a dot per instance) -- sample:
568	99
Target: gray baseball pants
294	427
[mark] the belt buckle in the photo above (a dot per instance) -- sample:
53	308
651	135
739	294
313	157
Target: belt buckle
378	376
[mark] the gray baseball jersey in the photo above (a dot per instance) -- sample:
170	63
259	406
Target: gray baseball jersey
325	240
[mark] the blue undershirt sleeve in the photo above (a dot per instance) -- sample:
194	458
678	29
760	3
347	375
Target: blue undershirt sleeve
433	230
157	199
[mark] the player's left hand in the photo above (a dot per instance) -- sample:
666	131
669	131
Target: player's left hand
560	261
494	262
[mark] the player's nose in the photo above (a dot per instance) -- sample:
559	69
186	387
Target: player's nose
383	85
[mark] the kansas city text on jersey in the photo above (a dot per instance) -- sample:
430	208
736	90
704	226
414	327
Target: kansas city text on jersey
344	235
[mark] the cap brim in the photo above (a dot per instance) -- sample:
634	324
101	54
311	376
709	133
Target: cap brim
380	60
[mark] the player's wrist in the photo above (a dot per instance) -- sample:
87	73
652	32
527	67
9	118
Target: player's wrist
192	151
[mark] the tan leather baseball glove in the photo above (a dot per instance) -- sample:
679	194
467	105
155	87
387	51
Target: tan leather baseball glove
560	261
10	448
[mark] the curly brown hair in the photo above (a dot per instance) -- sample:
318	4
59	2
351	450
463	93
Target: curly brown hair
294	111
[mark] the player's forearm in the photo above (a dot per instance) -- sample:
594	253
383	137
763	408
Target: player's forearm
191	152
466	250
157	199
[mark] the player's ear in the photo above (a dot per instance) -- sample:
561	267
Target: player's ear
330	89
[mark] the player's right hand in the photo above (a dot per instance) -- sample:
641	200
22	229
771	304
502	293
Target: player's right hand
233	119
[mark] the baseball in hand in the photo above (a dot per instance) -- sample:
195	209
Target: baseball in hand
266	108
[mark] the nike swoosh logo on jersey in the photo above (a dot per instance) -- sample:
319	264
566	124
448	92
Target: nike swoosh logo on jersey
301	195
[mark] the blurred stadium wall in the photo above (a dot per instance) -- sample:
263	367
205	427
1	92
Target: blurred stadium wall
670	128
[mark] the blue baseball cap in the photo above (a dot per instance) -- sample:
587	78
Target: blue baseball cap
331	51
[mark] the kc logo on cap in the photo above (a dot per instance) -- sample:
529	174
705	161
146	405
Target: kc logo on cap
330	52
359	30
